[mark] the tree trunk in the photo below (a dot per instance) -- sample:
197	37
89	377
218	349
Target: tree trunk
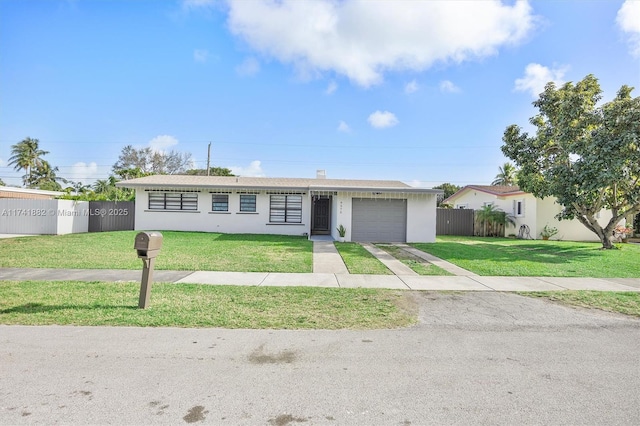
604	234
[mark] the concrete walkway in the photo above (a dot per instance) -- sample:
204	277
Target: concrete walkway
447	266
326	259
394	265
400	282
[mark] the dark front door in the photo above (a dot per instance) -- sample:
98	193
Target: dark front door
321	217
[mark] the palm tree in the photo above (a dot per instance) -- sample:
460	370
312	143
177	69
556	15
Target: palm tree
26	155
44	176
493	220
506	175
101	186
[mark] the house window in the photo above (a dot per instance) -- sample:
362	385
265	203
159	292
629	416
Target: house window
220	203
173	201
285	209
518	208
462	206
247	203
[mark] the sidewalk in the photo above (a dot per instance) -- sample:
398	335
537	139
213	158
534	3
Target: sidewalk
330	271
400	282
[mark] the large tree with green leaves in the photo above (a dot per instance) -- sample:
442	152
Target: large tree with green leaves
449	189
150	161
26	155
213	171
585	154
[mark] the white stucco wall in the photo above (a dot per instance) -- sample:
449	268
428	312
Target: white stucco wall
570	230
421	219
537	213
43	217
421	216
73	217
342	209
231	222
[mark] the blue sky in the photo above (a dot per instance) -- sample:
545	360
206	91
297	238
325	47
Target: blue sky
417	91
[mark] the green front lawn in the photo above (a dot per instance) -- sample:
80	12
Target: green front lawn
193	305
627	303
511	257
359	261
418	265
183	251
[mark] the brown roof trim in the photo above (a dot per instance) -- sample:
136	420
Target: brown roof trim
499	191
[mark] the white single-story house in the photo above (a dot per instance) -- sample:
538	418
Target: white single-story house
526	209
370	210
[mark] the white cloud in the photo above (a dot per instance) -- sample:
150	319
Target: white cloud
344	127
2	162
162	142
249	67
332	87
537	76
200	55
381	120
411	87
628	19
252	170
362	39
447	86
86	173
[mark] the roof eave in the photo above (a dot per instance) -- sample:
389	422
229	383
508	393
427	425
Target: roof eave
282	188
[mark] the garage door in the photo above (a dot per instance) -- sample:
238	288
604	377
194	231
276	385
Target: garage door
379	220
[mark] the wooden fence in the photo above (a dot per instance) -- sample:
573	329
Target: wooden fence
454	222
111	216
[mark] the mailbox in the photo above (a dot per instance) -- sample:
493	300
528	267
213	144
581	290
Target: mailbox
148	244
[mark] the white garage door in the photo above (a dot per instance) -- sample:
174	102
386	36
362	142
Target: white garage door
379	221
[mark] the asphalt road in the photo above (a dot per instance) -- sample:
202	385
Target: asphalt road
475	358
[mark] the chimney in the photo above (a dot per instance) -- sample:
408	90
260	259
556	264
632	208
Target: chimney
321	174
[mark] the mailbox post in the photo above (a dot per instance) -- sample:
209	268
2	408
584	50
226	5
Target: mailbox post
147	245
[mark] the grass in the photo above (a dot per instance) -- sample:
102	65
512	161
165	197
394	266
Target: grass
511	257
190	305
627	303
183	251
359	261
418	265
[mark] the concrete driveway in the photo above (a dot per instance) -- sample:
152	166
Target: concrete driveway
475	358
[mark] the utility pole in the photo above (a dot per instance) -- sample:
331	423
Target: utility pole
208	159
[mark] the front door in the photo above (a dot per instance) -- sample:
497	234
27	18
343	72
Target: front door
321	216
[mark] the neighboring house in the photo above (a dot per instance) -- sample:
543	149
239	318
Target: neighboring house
25	193
525	210
371	210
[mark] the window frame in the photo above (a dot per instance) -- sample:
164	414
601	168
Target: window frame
220	203
285	208
252	205
172	201
518	205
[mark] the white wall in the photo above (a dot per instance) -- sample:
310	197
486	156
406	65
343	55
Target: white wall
343	207
570	230
231	222
537	213
421	219
43	217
